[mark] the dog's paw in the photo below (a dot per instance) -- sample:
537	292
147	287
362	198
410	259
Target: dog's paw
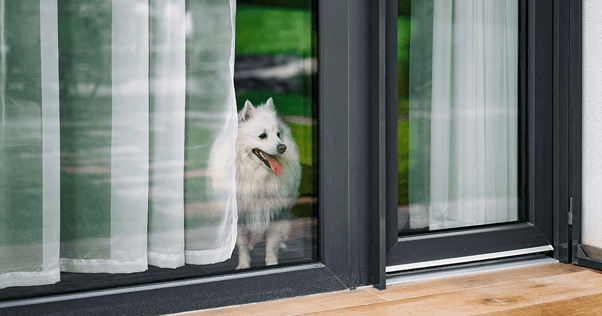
282	245
271	261
242	265
244	261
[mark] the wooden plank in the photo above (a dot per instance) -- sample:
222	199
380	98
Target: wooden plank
414	289
578	306
297	305
480	300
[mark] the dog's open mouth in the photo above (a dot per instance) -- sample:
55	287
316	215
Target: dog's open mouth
269	160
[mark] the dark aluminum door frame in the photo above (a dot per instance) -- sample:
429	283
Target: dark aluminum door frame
535	233
384	104
570	143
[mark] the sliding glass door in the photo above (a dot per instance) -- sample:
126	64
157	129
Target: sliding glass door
459	115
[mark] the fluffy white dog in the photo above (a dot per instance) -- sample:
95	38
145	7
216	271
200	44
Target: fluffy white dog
268	176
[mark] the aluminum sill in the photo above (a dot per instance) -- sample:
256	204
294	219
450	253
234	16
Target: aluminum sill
457	260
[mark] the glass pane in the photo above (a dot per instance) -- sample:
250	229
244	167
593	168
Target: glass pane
275	58
126	146
457	113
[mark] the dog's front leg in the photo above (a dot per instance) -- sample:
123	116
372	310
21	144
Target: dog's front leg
278	231
271	250
244	259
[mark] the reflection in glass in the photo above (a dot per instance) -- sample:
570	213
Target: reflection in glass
458	140
275	59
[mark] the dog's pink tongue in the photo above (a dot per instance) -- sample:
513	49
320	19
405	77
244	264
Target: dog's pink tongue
274	164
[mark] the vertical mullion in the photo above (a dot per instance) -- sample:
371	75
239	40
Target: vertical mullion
561	199
575	146
522	116
540	116
391	66
379	117
333	140
530	109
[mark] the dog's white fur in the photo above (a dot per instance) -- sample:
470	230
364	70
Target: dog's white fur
260	193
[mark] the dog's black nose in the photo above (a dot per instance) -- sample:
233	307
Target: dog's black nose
281	148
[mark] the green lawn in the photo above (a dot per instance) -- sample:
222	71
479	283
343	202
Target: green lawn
290	104
403	128
274	31
403	64
270	30
265	30
402	162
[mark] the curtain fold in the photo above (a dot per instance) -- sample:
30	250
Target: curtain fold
420	99
51	143
29	145
168	107
472	171
211	215
111	114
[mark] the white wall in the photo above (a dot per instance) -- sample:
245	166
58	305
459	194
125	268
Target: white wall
592	123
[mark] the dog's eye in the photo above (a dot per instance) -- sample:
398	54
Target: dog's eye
263	136
278	134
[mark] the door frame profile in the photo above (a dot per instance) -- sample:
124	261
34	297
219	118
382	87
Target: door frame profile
539	228
570	140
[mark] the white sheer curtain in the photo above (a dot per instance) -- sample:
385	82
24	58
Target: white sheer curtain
105	157
468	102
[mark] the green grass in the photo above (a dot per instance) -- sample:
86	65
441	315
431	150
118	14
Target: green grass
403	127
403	132
273	31
303	137
264	30
290	104
403	64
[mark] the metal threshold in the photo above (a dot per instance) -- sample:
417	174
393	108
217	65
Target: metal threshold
470	268
458	260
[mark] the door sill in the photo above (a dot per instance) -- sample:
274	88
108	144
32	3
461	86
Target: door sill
457	260
469	268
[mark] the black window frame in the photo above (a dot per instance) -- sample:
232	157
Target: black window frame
570	134
538	172
355	84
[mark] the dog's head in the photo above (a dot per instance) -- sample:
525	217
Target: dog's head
263	135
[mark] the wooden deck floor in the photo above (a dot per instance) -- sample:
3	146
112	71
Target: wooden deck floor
553	289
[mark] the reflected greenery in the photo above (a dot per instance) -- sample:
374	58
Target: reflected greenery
272	34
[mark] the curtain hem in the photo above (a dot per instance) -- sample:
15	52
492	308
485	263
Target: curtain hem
29	278
163	260
103	265
210	256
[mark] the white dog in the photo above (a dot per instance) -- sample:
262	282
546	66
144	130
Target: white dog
268	176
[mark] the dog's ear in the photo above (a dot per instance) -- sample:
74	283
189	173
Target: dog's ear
270	104
247	112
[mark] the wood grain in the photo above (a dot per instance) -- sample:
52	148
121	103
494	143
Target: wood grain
578	306
414	289
480	300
